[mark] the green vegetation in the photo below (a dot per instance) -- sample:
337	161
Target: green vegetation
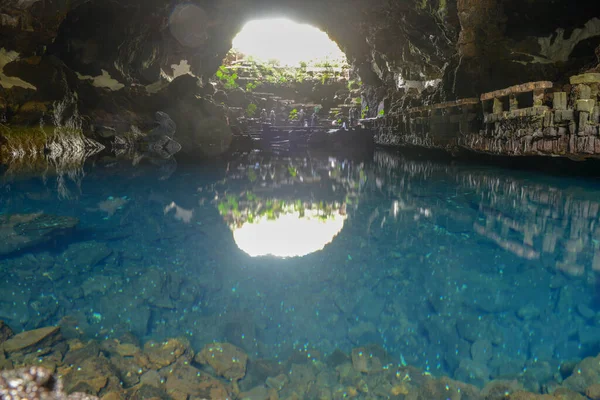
250	86
228	80
293	115
354	84
381	113
274	73
364	112
251	110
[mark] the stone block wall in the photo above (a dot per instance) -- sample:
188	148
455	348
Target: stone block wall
522	120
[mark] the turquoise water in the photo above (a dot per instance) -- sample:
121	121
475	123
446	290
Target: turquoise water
472	271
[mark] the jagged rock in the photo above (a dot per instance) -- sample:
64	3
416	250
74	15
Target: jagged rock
162	354
593	391
584	374
85	255
5	332
481	350
145	391
256	393
448	389
500	389
184	380
31	341
364	361
472	372
277	382
227	360
21	231
79	352
92	376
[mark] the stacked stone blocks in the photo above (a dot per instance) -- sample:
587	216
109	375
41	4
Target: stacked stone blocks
533	118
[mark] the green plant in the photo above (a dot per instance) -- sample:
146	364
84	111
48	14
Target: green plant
250	86
228	80
293	115
353	84
381	113
251	110
364	112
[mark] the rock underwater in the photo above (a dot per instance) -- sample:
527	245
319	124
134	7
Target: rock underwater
21	231
34	383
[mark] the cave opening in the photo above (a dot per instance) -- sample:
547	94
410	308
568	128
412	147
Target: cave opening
287	43
286	73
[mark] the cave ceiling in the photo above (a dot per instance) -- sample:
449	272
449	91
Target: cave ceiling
468	45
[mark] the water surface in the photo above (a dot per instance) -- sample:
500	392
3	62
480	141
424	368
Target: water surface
472	271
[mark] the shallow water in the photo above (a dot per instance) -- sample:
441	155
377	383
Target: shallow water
471	271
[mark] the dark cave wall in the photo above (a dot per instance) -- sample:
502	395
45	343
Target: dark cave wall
470	46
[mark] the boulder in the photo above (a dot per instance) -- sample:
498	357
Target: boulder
5	332
31	341
22	231
225	359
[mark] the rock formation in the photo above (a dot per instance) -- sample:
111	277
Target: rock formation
127	60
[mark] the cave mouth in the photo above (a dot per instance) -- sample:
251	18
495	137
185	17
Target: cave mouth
286	43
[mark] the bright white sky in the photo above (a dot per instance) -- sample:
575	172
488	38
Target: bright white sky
286	41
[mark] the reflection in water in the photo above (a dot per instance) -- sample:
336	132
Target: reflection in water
287	207
533	220
475	272
181	214
291	233
111	205
521	215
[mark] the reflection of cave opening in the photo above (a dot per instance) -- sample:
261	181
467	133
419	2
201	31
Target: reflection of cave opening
286	42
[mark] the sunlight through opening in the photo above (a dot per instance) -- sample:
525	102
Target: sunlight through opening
287	42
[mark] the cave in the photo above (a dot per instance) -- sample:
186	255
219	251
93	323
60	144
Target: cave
127	62
412	214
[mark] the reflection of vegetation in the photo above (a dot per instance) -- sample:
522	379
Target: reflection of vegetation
252	175
257	188
249	208
22	141
62	148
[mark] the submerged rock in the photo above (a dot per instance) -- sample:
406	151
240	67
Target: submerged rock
5	332
34	383
22	231
30	341
227	360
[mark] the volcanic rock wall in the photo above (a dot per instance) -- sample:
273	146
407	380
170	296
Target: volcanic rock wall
128	59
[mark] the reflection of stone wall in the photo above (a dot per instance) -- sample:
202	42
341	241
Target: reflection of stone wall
530	220
533	220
